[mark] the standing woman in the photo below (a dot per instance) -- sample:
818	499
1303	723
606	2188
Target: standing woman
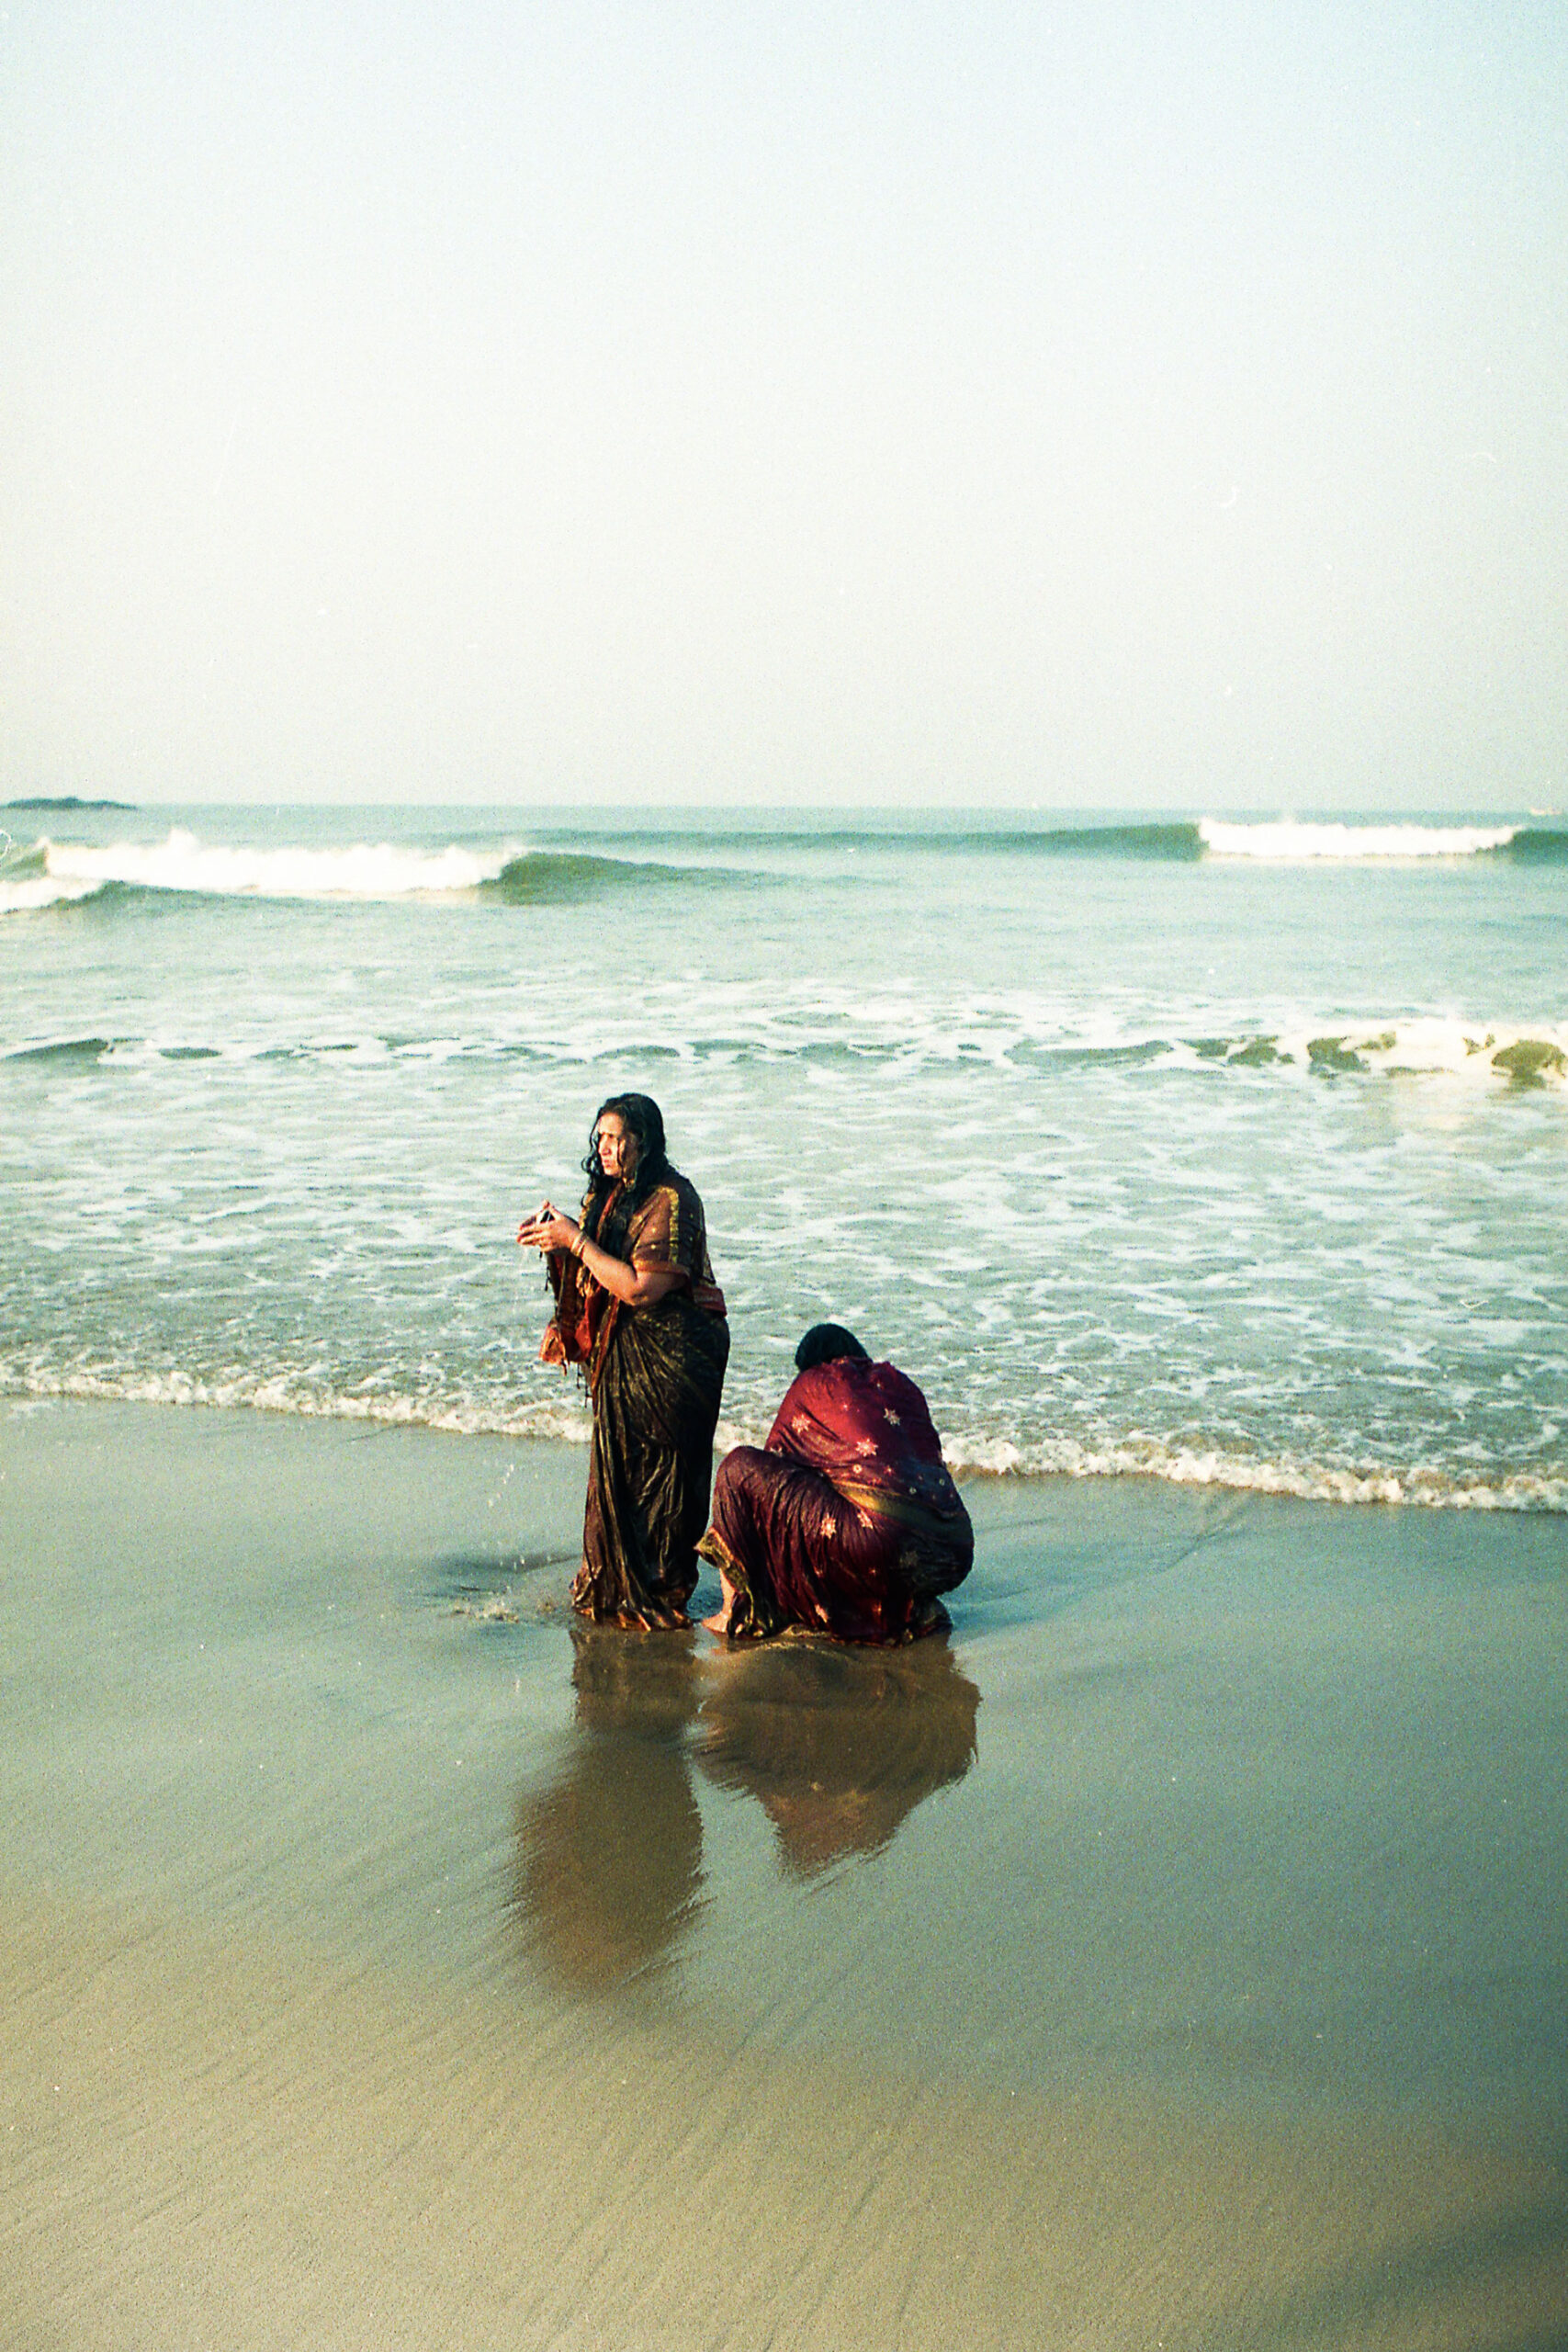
637	1307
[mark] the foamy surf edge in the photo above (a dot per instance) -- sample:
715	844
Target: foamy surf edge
1424	1486
564	1423
970	1456
1000	1030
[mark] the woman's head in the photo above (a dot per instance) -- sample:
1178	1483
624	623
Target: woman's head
824	1343
628	1143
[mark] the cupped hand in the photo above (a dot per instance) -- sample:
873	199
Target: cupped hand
546	1229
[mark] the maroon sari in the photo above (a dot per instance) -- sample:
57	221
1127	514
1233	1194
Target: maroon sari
847	1522
655	1374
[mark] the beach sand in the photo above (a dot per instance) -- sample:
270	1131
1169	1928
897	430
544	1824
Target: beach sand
1173	1957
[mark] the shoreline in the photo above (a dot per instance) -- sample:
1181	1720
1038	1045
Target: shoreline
546	1423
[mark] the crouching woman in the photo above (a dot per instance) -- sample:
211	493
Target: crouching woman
847	1522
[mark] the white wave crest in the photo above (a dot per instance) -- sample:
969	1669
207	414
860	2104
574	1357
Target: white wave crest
1426	1486
566	1422
182	863
1422	1045
975	1455
43	890
1288	842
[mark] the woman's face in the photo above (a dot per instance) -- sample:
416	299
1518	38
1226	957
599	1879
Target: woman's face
618	1149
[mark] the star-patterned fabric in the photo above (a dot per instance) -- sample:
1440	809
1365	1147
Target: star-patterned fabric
848	1522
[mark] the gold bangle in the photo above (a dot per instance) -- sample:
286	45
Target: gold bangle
579	1244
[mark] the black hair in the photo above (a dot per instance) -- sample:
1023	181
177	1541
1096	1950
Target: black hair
824	1343
644	1119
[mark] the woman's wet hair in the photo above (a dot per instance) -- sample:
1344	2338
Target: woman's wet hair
642	1117
824	1343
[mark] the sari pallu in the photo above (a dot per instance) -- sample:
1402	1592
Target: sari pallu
654	1377
847	1524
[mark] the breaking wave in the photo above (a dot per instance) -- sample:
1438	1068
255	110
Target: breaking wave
47	873
1284	842
182	864
560	878
865	1037
1290	843
1278	841
51	872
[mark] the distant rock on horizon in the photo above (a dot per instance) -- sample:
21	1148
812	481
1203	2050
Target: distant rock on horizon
69	800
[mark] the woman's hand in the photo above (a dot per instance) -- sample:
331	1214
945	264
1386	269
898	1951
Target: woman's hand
633	1285
547	1230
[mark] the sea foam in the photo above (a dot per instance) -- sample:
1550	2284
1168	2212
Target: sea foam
826	1028
972	1453
182	863
1288	842
37	891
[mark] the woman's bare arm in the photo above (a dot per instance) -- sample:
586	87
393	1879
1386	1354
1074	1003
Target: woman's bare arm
633	1285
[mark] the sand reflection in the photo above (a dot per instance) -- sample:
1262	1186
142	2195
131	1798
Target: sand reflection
838	1746
610	1853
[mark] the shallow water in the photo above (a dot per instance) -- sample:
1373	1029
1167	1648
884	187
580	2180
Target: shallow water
1153	1154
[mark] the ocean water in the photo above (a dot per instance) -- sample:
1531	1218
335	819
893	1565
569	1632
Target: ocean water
1224	1151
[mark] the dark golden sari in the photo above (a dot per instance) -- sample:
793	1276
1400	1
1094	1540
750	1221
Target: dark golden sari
655	1376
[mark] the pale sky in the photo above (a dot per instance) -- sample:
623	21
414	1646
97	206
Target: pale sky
1158	405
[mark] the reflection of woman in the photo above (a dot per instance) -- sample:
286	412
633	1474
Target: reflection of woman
610	1854
847	1522
838	1746
637	1307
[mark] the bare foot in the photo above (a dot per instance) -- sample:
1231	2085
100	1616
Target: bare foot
719	1622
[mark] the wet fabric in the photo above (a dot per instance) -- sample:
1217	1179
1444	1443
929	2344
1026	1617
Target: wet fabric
654	1377
667	1227
847	1522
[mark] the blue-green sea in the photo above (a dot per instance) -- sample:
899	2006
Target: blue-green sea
1223	1149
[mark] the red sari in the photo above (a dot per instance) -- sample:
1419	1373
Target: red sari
847	1522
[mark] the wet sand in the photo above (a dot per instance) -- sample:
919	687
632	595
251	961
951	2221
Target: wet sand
1174	1956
